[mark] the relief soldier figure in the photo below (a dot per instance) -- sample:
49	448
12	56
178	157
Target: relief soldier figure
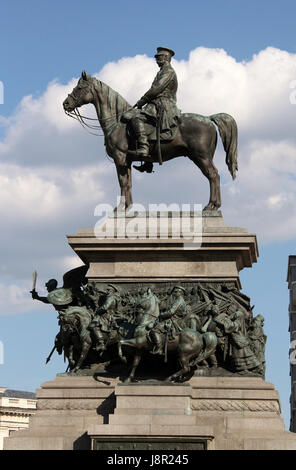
104	320
69	294
171	322
242	358
258	339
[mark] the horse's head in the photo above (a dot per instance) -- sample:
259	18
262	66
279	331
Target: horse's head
68	323
81	94
149	304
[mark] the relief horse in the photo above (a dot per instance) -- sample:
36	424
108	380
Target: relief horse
75	337
190	347
196	137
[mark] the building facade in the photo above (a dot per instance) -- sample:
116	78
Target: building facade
291	279
16	407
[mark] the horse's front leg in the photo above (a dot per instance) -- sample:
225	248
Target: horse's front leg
121	356
71	357
124	175
126	342
185	368
84	351
137	359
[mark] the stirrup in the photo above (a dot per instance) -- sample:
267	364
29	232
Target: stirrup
157	350
146	166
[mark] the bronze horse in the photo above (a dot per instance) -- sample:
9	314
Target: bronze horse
196	137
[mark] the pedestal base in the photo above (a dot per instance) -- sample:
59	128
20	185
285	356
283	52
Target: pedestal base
215	413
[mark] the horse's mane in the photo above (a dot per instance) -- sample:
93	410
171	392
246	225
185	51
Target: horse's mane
117	104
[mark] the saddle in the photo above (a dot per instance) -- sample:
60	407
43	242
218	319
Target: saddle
150	130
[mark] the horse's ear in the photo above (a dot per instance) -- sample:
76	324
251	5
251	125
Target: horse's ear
84	75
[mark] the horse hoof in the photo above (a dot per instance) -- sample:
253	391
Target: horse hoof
210	208
121	208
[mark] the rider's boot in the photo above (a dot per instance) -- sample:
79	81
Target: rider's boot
100	346
143	145
142	141
157	343
147	166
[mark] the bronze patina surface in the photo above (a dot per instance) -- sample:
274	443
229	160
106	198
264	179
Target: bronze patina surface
155	130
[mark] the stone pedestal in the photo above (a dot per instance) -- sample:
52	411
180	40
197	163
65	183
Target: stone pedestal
66	407
211	412
224	413
175	248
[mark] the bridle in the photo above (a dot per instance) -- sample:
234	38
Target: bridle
75	114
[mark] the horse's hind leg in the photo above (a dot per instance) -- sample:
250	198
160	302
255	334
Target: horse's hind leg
137	359
121	356
210	171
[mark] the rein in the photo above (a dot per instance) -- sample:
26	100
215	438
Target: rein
75	114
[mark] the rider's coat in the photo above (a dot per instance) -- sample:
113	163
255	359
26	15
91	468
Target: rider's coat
161	98
173	318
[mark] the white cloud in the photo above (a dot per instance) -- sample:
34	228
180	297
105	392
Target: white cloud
15	299
53	174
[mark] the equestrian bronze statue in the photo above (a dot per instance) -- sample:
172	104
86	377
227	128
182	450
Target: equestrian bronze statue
154	130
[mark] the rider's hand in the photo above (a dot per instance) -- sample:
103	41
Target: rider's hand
34	294
140	103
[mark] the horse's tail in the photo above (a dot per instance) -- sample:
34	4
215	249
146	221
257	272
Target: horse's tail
228	133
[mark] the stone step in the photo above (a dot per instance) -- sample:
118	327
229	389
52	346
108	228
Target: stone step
152	411
38	443
163	419
64	421
153	402
150	430
270	444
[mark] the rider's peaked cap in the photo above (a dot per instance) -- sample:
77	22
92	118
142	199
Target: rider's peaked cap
113	287
160	51
179	287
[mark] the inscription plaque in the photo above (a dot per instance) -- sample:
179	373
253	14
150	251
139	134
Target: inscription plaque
153	443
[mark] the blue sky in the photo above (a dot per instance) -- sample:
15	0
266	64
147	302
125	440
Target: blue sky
41	41
46	41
